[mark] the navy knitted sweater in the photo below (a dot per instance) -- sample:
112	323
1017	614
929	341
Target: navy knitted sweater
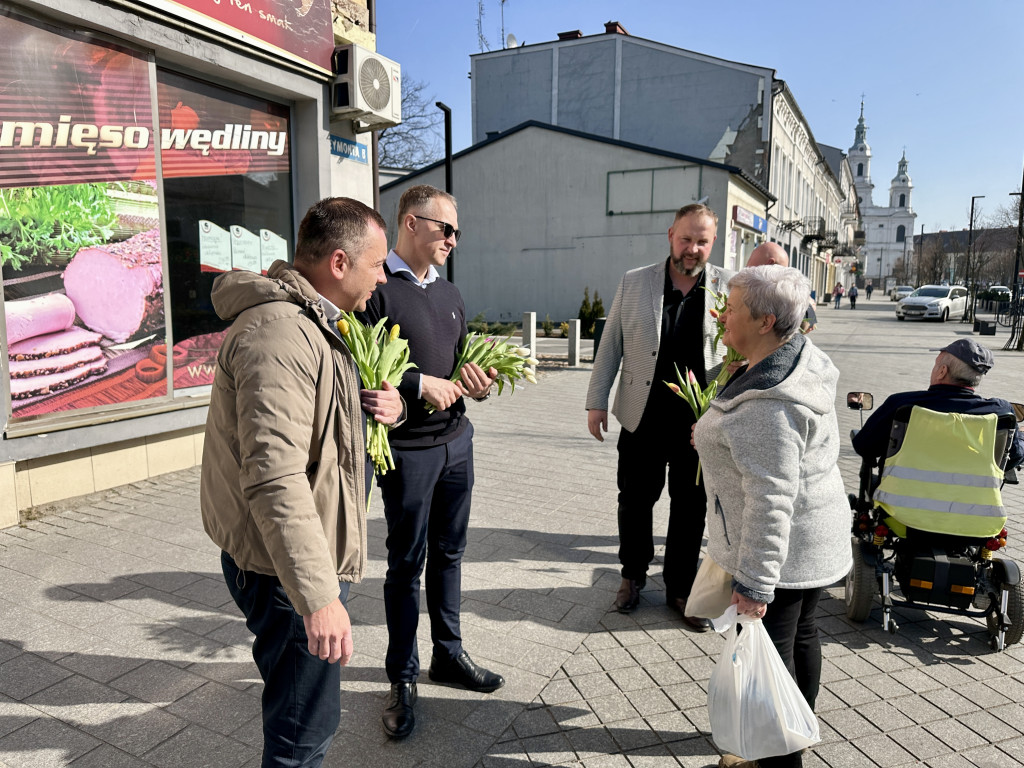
433	319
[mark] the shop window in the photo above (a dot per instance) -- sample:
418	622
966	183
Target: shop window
227	198
106	309
79	228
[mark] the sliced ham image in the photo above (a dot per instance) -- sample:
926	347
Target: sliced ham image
24	369
40	314
50	344
118	289
45	385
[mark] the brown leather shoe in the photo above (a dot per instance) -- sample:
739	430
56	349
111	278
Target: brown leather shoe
628	596
690	623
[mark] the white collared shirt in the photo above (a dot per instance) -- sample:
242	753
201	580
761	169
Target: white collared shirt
397	264
332	313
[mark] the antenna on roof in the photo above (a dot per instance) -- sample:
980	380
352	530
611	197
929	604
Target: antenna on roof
510	41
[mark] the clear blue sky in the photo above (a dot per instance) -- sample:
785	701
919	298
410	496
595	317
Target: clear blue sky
944	79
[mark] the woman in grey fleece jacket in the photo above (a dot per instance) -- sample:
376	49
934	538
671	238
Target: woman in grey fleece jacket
778	516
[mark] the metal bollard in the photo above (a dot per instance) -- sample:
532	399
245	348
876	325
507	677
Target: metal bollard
530	332
574	343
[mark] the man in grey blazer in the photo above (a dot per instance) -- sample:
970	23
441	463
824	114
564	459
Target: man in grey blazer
659	319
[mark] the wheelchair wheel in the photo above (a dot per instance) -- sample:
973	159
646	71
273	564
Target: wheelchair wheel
1015	615
861	586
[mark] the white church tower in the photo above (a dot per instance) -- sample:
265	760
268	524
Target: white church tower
889	230
860	162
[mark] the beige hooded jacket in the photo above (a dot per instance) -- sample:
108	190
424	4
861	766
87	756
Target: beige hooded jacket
283	478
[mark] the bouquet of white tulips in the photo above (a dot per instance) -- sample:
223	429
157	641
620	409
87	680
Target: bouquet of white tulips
381	356
511	361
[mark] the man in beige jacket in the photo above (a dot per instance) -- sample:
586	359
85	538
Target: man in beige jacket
283	490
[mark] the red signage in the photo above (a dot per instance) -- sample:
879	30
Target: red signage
297	29
71	111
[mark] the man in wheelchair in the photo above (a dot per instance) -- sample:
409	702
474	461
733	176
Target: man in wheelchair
957	372
932	516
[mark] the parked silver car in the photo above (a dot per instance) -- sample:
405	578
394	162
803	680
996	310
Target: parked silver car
934	302
900	292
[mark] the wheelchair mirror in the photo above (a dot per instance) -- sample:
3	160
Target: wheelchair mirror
860	401
1018	410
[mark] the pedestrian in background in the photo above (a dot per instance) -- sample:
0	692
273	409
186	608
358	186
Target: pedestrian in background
868	289
427	496
284	464
659	319
853	296
837	293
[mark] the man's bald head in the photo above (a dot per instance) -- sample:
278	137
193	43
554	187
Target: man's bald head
768	253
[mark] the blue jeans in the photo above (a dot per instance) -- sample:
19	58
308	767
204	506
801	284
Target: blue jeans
839	298
301	692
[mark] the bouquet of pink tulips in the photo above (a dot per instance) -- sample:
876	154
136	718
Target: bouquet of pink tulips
698	399
731	355
688	387
511	361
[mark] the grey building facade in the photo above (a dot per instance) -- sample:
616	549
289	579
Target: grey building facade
547	212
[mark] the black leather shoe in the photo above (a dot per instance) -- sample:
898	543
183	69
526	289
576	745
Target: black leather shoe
690	623
398	717
462	671
628	596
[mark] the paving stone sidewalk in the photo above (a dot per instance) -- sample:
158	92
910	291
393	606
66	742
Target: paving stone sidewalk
120	646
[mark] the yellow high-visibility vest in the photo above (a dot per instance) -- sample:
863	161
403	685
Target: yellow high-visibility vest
944	478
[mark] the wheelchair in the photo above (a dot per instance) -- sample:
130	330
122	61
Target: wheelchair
940	561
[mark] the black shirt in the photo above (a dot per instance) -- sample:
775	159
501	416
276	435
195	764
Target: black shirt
682	345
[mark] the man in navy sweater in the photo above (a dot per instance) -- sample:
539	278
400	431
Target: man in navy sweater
427	495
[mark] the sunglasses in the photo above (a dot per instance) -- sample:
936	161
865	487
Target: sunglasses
446	228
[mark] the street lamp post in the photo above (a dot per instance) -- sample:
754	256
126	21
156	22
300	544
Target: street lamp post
968	317
1016	340
448	171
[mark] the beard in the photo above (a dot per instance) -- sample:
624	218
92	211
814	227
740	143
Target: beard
678	268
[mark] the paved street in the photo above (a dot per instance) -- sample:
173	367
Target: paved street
120	646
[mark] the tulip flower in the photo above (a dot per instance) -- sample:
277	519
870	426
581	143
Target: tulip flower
512	362
381	356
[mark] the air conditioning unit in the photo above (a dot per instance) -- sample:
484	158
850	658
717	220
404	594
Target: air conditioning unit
367	87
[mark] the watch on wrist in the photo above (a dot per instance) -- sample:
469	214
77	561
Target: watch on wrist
481	399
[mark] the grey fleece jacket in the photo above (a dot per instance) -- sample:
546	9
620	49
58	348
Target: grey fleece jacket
778	515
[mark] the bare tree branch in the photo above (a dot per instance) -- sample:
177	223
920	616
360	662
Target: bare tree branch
417	141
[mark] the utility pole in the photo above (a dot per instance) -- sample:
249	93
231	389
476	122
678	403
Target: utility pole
968	317
1016	340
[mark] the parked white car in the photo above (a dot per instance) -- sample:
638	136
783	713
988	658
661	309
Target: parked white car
900	292
934	302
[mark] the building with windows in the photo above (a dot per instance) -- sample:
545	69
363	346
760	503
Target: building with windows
145	147
655	95
547	212
888	229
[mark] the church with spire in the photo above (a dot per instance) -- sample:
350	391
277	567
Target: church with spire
889	229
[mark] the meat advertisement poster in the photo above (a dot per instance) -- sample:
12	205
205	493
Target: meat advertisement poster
80	242
299	30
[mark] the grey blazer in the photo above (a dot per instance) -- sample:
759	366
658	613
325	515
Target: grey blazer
632	335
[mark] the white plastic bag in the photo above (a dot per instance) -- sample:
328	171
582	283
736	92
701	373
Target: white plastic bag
755	707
